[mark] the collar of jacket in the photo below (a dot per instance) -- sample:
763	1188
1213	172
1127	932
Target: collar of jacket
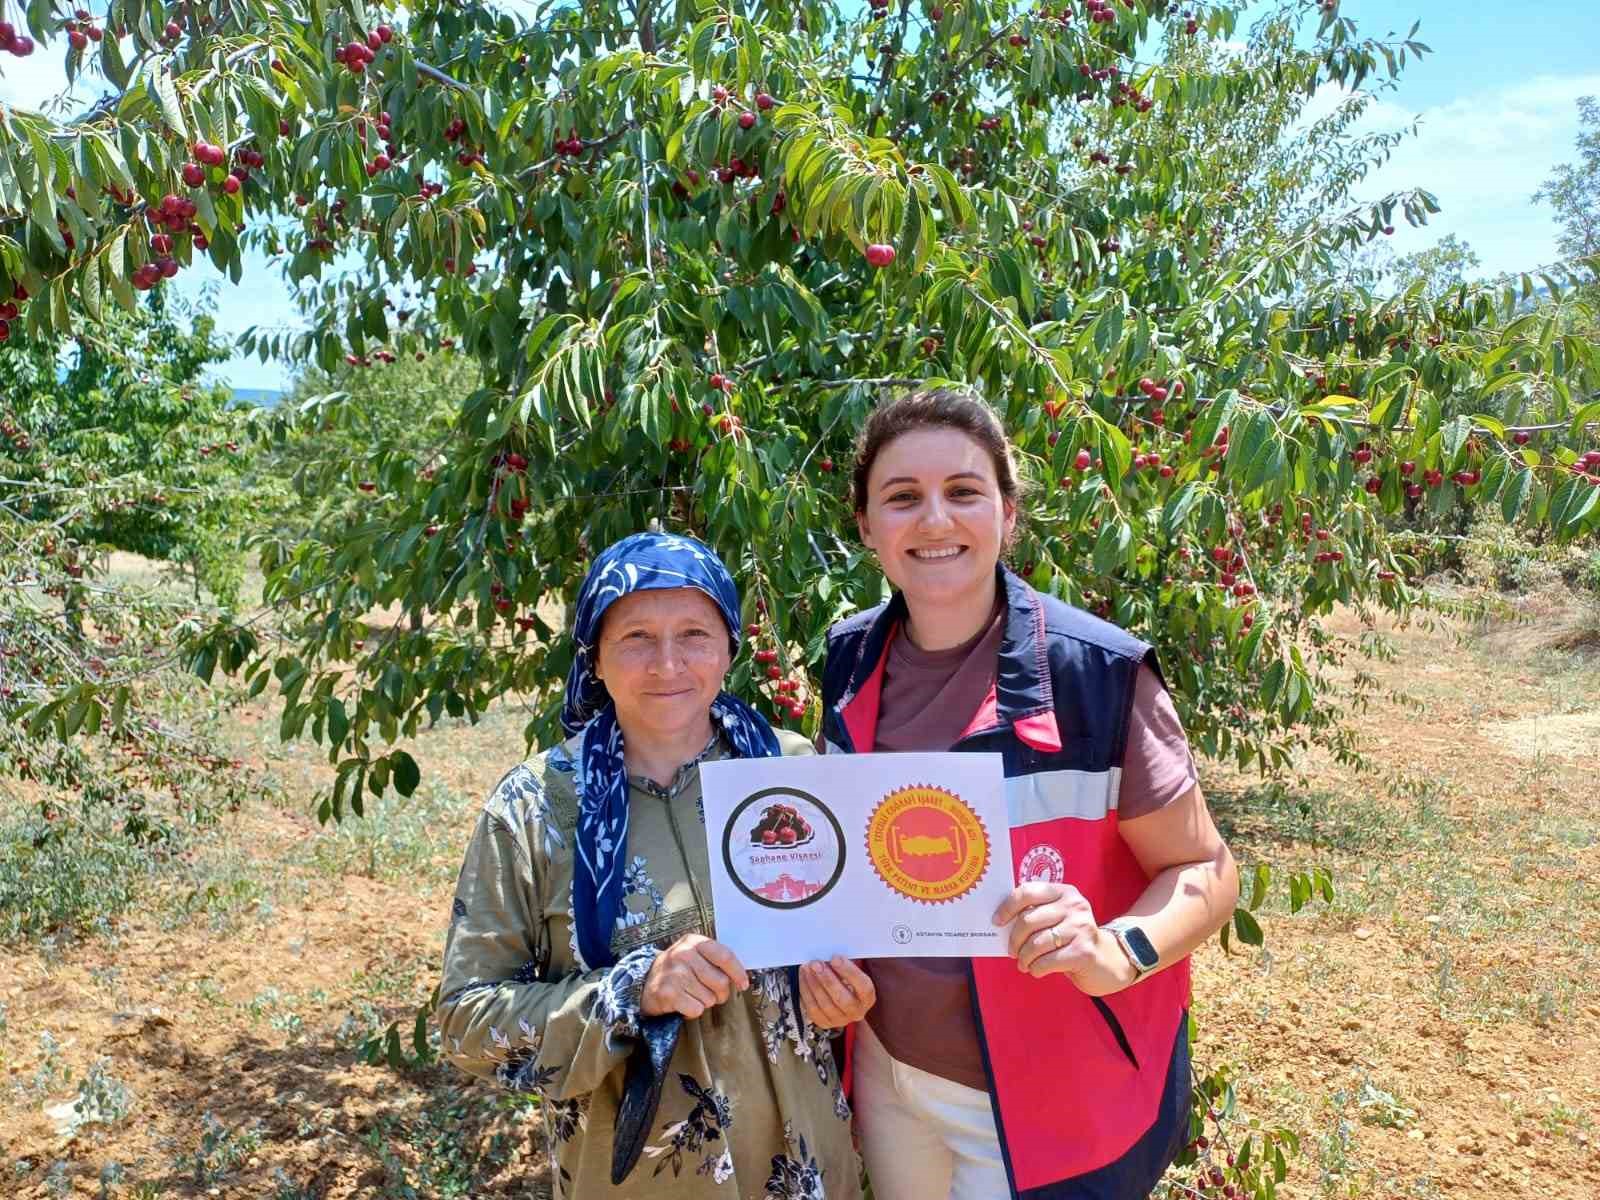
1022	696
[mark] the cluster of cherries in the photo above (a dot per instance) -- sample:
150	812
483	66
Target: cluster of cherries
355	56
390	154
506	464
1131	96
737	168
454	132
382	356
81	30
9	312
13	433
1589	467
1231	563
19	44
786	696
966	161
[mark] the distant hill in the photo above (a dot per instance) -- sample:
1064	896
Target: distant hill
259	397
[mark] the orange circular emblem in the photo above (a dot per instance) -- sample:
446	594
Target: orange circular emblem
926	844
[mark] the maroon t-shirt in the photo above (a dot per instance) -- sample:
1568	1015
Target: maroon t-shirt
923	1015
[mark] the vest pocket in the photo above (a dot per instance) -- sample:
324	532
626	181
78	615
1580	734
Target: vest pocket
1116	1029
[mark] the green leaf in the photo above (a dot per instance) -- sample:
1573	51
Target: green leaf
1455	436
1515	497
338	721
1247	928
165	94
1178	506
406	774
1112	545
1588	414
1258	888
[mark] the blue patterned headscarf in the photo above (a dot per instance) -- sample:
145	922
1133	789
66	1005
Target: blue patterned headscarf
636	563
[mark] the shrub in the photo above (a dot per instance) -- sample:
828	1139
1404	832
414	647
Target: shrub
63	878
1506	558
1584	573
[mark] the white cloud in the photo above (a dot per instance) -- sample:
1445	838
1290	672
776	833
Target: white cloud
1482	155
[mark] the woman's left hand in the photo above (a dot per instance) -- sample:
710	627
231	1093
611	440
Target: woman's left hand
1053	932
836	993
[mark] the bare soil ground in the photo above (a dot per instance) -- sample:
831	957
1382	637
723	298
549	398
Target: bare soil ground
1434	1031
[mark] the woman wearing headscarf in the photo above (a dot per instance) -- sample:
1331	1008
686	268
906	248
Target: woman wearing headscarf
580	962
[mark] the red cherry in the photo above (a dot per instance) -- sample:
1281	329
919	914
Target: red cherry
880	254
1081	460
231	185
385	33
194	174
173	31
764	101
746	119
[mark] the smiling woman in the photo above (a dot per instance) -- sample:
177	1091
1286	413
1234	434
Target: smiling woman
662	655
581	963
1063	1074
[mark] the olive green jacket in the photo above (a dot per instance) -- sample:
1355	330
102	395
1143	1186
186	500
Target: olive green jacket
753	1108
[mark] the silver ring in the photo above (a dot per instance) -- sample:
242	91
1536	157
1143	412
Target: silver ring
1055	937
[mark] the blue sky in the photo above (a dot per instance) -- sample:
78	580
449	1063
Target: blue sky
1496	100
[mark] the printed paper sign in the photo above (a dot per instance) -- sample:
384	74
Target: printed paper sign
865	855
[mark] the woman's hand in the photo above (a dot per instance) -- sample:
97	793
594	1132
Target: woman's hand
1053	932
690	976
836	993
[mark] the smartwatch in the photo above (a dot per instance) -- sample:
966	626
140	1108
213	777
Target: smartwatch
1135	944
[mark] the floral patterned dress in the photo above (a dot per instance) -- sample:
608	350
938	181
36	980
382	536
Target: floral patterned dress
753	1108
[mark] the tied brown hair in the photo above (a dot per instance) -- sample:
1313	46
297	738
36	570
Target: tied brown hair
934	408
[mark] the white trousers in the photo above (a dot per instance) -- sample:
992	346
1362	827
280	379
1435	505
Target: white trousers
923	1137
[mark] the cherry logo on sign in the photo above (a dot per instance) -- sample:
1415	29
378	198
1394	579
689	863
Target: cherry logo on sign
783	848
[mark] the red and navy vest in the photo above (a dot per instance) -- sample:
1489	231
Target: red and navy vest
1091	1095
